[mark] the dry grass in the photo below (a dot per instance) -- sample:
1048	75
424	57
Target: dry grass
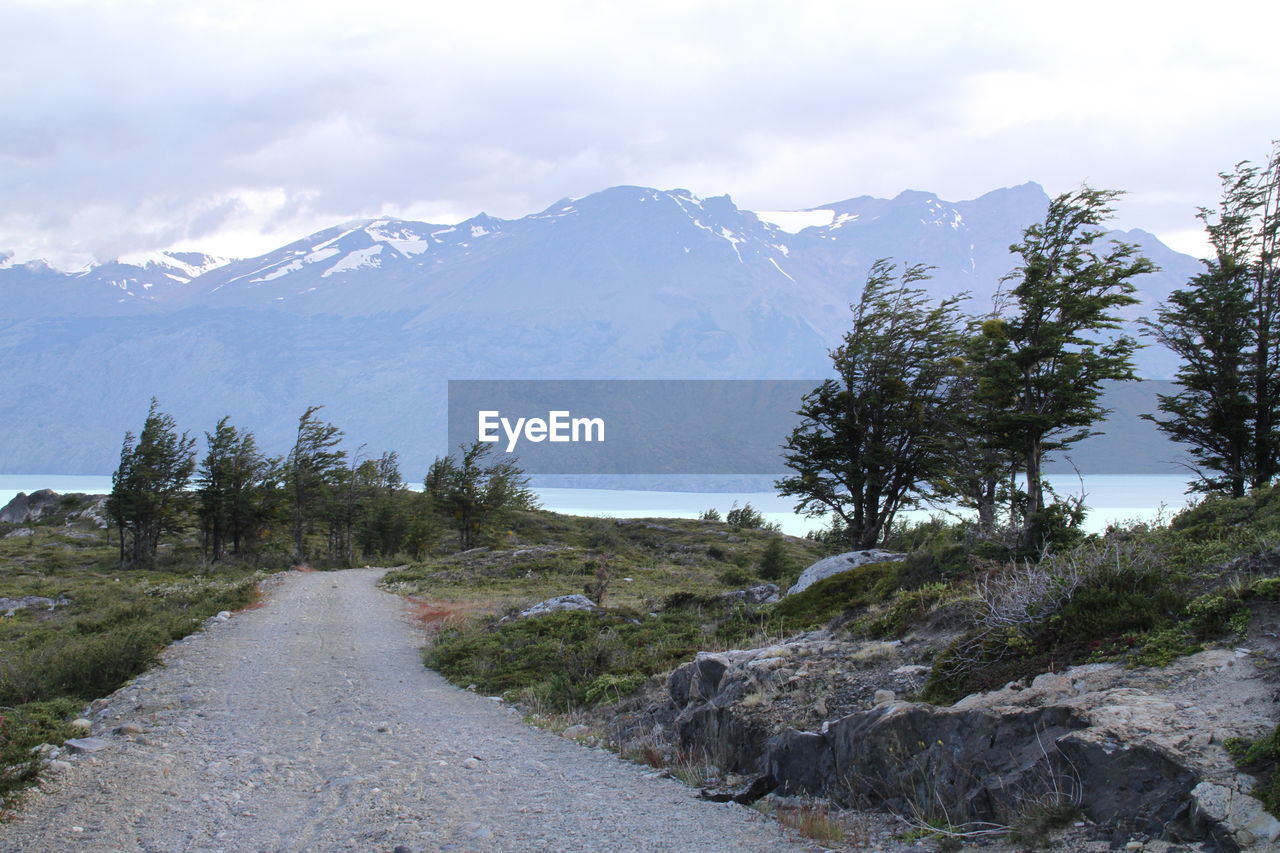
436	614
811	820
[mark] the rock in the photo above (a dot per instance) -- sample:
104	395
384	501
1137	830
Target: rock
560	602
1239	815
760	594
83	745
21	531
129	729
471	763
81	726
577	731
884	696
841	563
11	606
55	765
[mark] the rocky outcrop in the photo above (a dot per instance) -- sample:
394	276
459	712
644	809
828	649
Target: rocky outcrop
1139	750
26	509
765	593
560	602
829	566
10	606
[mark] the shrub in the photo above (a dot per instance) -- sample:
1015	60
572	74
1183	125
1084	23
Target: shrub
774	563
828	598
735	576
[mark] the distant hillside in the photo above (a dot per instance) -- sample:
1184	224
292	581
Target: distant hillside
371	318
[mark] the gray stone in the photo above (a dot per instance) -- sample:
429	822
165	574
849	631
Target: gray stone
577	731
21	531
760	594
882	697
11	606
81	745
81	725
55	765
560	602
841	563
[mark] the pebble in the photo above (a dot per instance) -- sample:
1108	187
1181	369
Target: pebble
471	763
81	725
577	731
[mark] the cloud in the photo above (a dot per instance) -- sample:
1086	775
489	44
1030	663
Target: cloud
137	125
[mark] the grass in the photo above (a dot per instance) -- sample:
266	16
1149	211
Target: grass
111	628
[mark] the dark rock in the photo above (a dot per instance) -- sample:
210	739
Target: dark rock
801	762
761	786
1132	787
726	740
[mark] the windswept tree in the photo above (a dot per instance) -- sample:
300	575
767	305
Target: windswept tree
473	492
311	470
148	489
1225	327
1044	356
872	440
229	486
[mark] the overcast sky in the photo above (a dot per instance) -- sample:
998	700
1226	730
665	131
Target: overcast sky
235	127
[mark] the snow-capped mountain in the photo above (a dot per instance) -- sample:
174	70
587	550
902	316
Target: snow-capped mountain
372	317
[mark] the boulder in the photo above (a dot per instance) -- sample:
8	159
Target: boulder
560	602
840	563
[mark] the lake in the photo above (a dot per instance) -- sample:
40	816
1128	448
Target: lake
1111	498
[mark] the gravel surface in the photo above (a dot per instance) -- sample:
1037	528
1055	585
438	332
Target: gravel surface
311	724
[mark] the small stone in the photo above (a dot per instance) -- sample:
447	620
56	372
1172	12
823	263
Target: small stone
77	829
57	766
1134	845
129	729
86	744
577	731
81	726
471	763
883	697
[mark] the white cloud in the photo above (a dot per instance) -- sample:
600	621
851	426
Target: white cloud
223	125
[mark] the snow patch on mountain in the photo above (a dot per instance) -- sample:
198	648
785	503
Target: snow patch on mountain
361	258
315	257
795	221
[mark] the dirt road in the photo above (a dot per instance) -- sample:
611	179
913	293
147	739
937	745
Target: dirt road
310	724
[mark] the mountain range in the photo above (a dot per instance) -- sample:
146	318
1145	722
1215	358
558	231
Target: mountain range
372	317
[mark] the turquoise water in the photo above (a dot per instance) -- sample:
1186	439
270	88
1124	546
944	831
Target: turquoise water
1115	498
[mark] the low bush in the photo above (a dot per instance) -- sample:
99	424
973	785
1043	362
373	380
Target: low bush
833	596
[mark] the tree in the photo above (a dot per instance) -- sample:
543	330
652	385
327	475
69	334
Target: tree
871	441
472	493
1225	327
148	489
311	469
1042	359
229	484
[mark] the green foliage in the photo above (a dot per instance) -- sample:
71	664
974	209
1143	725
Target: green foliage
1260	757
1041	359
23	728
1223	326
775	563
712	514
735	576
312	469
474	494
747	517
871	442
611	687
234	485
148	489
567	659
828	598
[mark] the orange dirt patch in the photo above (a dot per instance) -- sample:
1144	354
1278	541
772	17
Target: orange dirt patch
435	614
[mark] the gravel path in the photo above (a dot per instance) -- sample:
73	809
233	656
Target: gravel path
311	724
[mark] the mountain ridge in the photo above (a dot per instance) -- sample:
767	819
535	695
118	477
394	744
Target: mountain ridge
372	316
